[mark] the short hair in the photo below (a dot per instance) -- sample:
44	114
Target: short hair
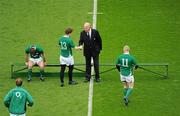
68	30
19	82
87	24
126	48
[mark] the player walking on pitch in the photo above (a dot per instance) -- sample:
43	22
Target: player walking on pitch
35	56
66	58
16	100
125	64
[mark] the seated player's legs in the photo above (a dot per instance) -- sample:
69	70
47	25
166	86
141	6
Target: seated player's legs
41	65
31	63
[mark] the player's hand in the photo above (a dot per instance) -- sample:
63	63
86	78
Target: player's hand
78	47
118	67
45	63
30	105
136	66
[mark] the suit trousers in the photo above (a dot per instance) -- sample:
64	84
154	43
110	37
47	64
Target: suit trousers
88	66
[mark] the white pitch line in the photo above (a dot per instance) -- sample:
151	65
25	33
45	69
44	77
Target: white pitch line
98	13
90	98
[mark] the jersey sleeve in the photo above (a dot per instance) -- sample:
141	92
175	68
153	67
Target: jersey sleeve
40	49
29	99
27	50
72	43
134	61
118	60
7	99
59	42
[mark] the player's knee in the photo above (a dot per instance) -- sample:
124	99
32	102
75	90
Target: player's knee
30	66
71	67
125	86
131	86
63	68
41	65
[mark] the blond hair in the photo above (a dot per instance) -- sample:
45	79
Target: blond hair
126	48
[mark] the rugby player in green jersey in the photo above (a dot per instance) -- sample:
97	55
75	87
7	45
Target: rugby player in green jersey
125	64
66	56
16	100
35	56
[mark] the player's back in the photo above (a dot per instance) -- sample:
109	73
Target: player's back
18	100
127	62
66	44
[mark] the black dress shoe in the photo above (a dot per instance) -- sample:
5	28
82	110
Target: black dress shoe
42	79
86	80
29	80
62	84
73	83
98	80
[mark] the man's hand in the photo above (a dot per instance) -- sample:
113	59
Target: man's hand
78	47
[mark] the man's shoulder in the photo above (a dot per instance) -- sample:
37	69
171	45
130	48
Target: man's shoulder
82	32
94	30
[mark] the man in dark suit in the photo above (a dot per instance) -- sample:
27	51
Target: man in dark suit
92	42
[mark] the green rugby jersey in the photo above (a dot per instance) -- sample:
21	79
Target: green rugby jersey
16	100
66	45
127	62
37	53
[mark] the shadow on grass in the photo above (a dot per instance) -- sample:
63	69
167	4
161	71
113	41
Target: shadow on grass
46	74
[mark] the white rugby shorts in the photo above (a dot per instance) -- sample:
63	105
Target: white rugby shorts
36	60
128	79
17	114
66	60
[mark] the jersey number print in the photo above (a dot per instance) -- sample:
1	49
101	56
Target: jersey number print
125	62
18	95
63	46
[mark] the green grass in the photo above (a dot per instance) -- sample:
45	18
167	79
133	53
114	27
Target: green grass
42	22
150	27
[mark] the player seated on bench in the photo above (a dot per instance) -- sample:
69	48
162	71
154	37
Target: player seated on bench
35	56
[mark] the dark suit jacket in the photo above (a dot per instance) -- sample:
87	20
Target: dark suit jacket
93	45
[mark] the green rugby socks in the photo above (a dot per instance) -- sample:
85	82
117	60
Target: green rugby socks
29	73
129	91
125	91
41	73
